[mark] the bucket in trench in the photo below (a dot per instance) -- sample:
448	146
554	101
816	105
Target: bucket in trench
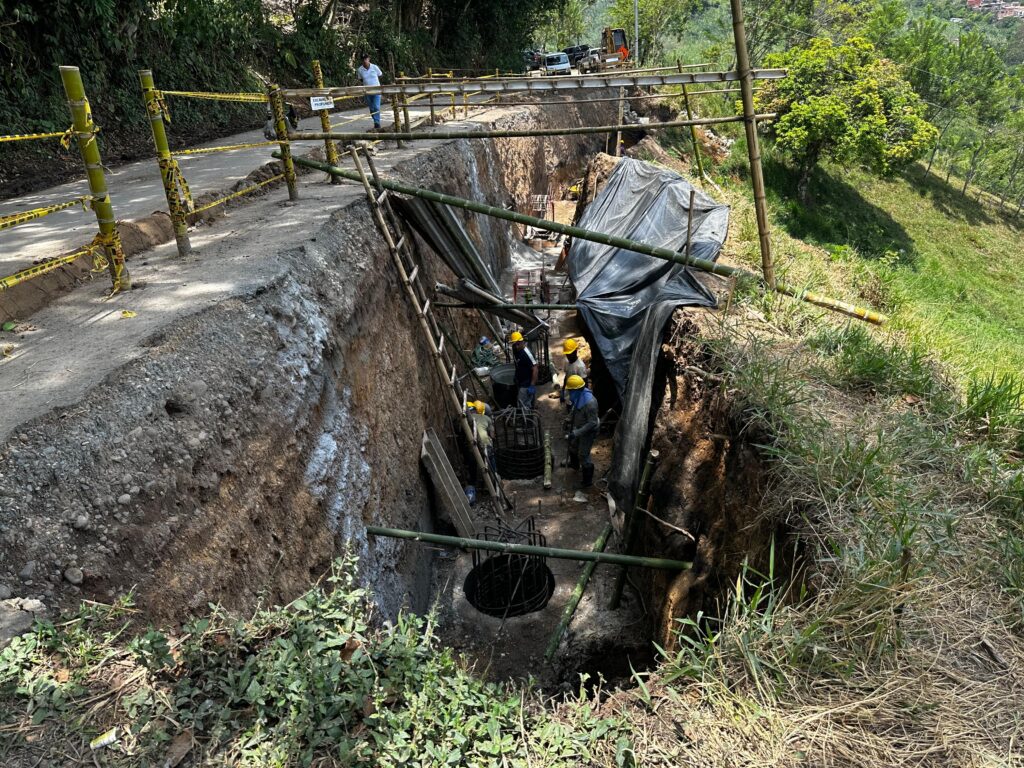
503	382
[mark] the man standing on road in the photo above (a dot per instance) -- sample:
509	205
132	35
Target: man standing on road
369	75
583	425
527	371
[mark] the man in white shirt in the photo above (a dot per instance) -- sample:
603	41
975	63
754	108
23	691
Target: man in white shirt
369	75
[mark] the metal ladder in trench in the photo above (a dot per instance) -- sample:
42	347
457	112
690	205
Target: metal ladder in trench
409	273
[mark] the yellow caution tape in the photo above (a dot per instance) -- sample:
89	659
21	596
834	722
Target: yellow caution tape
95	249
245	97
239	193
181	196
229	147
157	106
14	219
39	269
32	136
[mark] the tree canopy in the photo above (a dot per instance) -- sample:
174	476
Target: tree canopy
843	102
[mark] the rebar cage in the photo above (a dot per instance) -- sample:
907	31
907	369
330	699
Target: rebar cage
506	585
518	444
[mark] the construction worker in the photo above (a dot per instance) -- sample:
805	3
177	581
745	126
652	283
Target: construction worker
483	428
527	371
574	366
484	355
582	427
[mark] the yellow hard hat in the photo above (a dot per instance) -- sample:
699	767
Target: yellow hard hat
516	336
574	382
569	346
480	406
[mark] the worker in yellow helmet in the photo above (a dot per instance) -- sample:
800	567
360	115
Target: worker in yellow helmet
574	366
582	427
483	428
527	371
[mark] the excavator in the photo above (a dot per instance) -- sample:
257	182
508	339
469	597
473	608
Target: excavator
613	53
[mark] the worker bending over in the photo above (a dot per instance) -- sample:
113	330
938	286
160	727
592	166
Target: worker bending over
484	355
574	366
527	372
583	424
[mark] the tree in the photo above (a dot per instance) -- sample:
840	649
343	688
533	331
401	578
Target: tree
562	26
844	103
658	19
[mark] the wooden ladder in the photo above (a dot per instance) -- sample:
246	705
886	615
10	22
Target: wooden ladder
409	274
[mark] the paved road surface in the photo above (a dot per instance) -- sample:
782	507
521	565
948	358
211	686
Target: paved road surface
136	191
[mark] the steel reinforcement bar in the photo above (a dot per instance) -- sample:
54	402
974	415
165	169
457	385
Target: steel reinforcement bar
561	83
705	265
510	134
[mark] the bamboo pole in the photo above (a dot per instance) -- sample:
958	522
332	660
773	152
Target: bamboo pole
547	459
689	224
405	111
576	596
753	147
463	133
330	148
281	129
705	265
175	207
618	133
485	307
88	145
396	125
632	527
693	136
459	542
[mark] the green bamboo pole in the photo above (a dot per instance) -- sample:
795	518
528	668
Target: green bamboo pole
88	145
486	307
397	121
632	525
281	128
526	549
175	206
330	148
705	265
576	596
515	134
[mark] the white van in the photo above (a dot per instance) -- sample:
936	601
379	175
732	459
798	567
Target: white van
557	64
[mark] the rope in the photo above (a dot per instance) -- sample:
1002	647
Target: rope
14	219
260	98
239	193
229	147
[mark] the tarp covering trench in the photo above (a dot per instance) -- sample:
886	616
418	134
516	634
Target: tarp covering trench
627	297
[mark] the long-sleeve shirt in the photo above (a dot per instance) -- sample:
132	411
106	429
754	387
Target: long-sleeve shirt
584	420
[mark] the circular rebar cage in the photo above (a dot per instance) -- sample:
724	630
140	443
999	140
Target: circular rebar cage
518	445
506	585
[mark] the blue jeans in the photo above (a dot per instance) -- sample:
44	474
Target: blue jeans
373	102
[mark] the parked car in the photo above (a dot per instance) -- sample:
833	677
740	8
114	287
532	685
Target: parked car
557	64
576	52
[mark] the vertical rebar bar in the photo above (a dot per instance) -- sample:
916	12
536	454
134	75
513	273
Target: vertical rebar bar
325	122
281	129
85	131
753	148
175	206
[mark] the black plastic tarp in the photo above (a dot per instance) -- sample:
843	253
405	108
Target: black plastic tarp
627	297
616	287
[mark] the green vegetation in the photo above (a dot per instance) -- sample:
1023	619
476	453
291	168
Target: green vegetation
311	683
842	102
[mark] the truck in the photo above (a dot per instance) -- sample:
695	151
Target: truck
613	53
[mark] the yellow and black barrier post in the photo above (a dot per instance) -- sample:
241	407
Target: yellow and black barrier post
325	121
281	129
85	131
168	167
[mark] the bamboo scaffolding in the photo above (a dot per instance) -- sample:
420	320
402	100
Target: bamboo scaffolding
705	265
276	98
564	83
576	596
330	148
458	542
512	134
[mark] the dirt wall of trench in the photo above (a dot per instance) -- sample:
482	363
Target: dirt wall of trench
254	440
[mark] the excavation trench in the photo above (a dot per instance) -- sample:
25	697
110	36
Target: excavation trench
250	443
